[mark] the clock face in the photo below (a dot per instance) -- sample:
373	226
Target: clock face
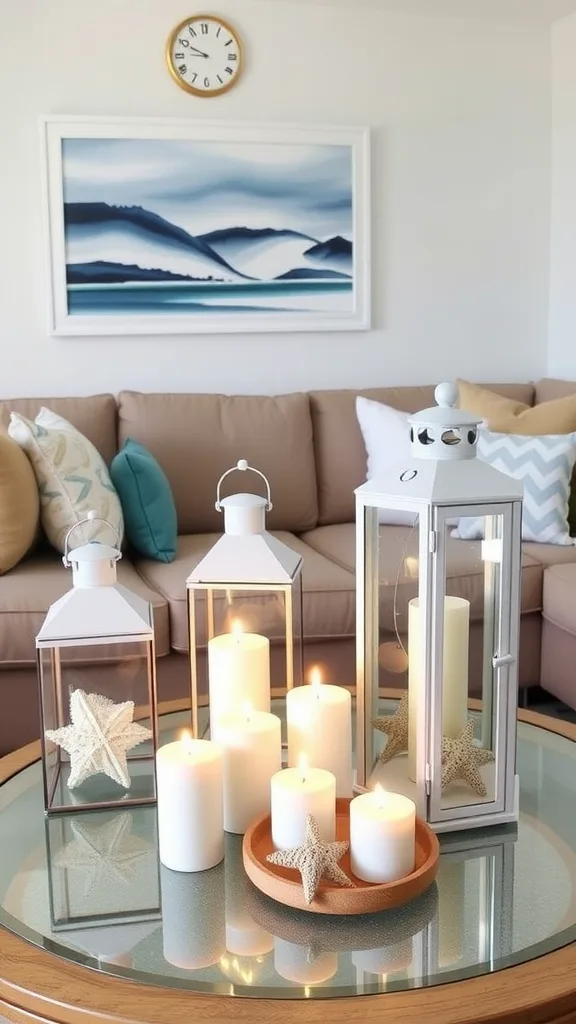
205	55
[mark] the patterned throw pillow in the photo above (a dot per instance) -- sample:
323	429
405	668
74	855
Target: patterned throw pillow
545	465
72	477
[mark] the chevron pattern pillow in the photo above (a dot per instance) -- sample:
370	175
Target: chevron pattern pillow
72	477
545	465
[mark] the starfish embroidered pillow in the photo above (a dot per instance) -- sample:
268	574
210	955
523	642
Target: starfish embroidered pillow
72	478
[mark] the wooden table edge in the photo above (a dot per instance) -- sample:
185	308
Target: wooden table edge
38	986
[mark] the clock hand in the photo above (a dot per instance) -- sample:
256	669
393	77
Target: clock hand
200	53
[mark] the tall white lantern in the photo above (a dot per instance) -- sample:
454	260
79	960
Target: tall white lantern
245	611
97	676
441	614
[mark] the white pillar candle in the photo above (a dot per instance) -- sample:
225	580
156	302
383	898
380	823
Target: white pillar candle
319	720
238	672
295	964
252	748
190	812
382	836
296	793
193	928
454	670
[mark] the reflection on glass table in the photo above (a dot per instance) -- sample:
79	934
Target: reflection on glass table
89	889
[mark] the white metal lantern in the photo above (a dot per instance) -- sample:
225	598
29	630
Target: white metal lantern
445	612
98	707
245	610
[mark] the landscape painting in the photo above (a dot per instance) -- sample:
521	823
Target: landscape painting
222	230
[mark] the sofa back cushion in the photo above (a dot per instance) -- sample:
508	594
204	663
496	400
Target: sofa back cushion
94	416
548	389
196	438
338	443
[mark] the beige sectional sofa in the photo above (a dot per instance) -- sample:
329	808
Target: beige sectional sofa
311	448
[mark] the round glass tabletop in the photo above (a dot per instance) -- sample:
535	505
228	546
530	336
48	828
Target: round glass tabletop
88	888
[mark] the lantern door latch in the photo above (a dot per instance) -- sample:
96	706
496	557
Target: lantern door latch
433	542
428	778
501	660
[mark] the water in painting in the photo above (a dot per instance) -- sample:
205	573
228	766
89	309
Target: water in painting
156	226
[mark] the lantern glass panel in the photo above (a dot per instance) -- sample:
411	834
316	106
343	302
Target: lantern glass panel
124	673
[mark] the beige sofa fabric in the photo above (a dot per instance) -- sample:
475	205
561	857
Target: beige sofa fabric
27	592
95	417
549	388
196	438
559	597
328	591
465	569
339	446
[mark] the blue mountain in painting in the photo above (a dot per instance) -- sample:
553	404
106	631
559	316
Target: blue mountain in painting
130	236
336	253
310	274
108	244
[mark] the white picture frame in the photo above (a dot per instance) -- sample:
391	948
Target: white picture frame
122	198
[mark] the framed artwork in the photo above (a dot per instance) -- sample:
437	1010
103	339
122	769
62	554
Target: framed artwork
183	227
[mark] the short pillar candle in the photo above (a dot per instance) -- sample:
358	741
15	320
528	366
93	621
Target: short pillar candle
252	750
190	807
319	722
296	793
382	836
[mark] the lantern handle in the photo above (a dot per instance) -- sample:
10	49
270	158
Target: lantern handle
91	517
242	465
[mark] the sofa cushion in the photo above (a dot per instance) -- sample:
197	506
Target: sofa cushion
328	591
94	416
147	503
19	504
196	438
338	444
465	569
549	388
559	590
27	592
509	416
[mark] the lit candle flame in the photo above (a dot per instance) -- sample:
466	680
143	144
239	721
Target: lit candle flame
237	630
303	766
187	742
380	794
247	710
316	682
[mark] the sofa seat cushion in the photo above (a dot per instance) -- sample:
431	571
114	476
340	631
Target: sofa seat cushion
465	569
559	602
328	591
196	438
27	592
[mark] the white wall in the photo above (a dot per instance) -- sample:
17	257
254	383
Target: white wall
460	113
562	337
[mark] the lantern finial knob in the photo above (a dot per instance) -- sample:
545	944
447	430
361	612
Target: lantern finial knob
446	395
242	465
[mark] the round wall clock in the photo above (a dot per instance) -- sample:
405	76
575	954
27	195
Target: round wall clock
204	55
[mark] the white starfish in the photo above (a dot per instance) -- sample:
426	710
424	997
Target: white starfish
99	738
104	853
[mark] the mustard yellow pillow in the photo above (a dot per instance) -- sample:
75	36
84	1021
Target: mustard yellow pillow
19	504
507	416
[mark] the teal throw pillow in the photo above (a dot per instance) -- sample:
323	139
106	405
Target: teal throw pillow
147	503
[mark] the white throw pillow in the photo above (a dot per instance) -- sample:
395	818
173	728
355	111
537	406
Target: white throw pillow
72	478
544	464
387	438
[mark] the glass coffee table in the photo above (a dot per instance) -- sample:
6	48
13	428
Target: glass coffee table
90	922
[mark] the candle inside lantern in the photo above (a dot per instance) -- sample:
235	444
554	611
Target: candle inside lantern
238	671
319	721
190	813
454	671
296	793
252	747
382	836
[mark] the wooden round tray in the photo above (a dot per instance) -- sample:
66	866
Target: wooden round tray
285	886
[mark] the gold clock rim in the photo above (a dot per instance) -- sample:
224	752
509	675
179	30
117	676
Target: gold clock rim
203	93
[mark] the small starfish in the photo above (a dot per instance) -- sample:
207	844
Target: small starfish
314	860
100	736
104	853
461	760
396	728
